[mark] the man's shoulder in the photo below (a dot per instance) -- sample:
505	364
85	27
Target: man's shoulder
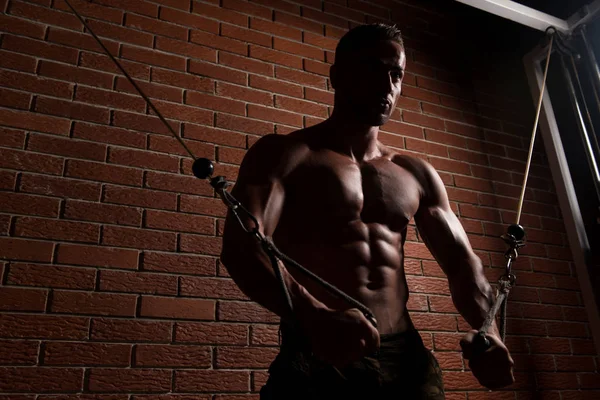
425	174
277	154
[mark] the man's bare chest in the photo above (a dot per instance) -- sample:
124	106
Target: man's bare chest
337	190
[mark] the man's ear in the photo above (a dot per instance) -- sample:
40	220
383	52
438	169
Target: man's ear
333	75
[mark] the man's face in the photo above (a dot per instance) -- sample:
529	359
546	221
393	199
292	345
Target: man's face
369	82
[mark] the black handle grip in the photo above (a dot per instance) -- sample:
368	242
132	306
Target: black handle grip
481	343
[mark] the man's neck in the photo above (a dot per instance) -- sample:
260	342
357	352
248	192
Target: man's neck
357	141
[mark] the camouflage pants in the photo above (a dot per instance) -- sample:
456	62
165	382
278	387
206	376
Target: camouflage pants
403	369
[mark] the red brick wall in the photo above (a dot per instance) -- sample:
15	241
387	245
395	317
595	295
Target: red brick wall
110	283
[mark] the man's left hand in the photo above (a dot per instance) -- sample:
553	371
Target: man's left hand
492	368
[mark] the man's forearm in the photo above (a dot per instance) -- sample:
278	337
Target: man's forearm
472	294
252	271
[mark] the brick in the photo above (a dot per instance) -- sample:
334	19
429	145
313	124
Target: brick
420	94
72	110
44	14
40	49
99	212
562	297
426	147
447	341
298	48
219	42
549	345
179	222
434	322
245	357
155	26
41	326
276	57
143	159
246	64
110	99
192	381
13	99
443	112
35	122
276	29
141	122
301	77
184	113
216	103
16	61
301	106
97	256
19	203
423	120
139	238
567	329
245	94
220	14
140	197
19	352
180	4
44	380
25	250
186	49
321	17
242	124
211	333
66	147
274	115
79	41
348	13
115	380
276	86
57	229
170	145
51	276
97	354
246	35
582	346
183	80
150	355
94	10
152	57
320	96
139	7
230	155
22	27
177	308
75	74
179	263
574	364
259	379
189	20
121	33
588	381
93	303
152	90
176	183
575	314
557	380
277	5
137	282
217	288
109	134
122	330
428	285
264	335
103	63
21	299
402	129
217	71
238	311
208	245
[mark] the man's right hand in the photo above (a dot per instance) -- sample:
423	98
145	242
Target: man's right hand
341	337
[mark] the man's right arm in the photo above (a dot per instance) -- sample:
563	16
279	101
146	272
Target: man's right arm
260	189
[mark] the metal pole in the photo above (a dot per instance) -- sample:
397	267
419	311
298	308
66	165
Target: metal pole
589	152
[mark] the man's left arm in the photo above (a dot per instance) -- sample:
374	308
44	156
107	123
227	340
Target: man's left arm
471	292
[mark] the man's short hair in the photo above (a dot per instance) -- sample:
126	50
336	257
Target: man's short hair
364	35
